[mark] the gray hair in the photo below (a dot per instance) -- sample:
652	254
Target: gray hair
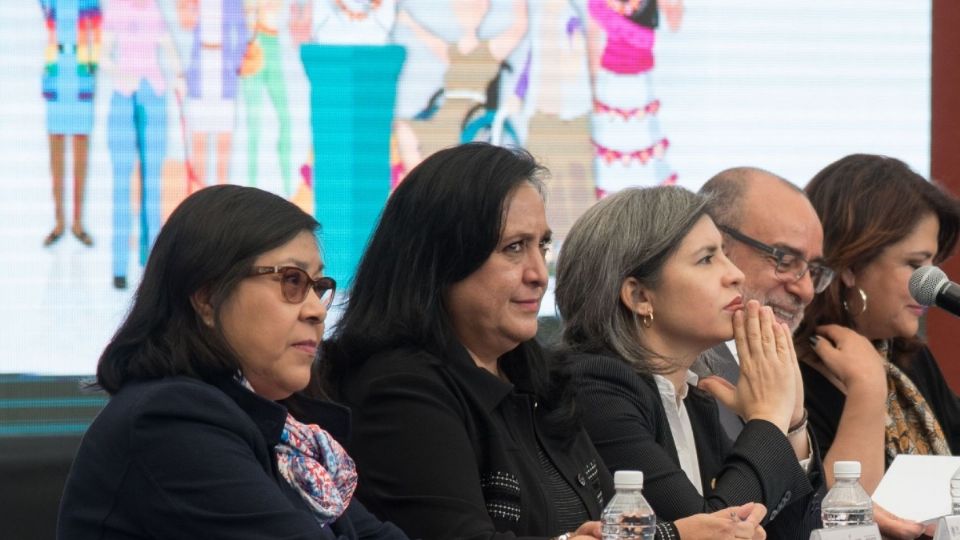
727	189
629	234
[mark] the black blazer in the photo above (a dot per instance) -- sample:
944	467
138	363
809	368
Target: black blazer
624	415
180	458
447	450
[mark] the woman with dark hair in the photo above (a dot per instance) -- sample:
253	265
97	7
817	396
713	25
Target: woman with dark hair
643	288
464	428
196	440
873	389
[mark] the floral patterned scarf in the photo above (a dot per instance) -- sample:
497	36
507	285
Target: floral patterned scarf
315	465
912	428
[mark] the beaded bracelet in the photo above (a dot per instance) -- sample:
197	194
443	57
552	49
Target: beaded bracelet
799	426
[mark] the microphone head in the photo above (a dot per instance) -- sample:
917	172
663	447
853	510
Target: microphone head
926	283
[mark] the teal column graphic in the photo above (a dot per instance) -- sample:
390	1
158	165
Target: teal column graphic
352	95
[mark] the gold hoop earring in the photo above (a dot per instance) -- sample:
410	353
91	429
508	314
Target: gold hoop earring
863	302
647	320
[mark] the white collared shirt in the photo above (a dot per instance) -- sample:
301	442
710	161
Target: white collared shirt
680	427
732	347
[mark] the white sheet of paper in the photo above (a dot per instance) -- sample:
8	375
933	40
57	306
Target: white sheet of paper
917	487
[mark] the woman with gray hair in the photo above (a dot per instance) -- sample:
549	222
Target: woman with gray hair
643	287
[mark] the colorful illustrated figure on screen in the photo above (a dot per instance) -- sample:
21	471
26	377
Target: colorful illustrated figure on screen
135	33
629	146
219	41
425	31
556	111
352	71
452	87
262	73
69	81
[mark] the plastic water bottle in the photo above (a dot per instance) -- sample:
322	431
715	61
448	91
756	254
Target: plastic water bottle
955	493
846	503
628	516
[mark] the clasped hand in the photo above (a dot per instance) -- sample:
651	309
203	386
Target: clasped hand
769	387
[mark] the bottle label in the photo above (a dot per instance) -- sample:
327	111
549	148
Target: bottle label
859	532
948	528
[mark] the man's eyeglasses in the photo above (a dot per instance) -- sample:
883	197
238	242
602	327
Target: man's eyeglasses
789	265
295	282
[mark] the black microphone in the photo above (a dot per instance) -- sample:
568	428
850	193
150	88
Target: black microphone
930	287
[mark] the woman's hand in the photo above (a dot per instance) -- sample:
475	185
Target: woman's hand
897	528
588	531
734	522
849	359
767	389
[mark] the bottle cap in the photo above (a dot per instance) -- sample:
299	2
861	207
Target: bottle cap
846	469
628	480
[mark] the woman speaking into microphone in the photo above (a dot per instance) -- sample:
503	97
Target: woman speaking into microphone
873	389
